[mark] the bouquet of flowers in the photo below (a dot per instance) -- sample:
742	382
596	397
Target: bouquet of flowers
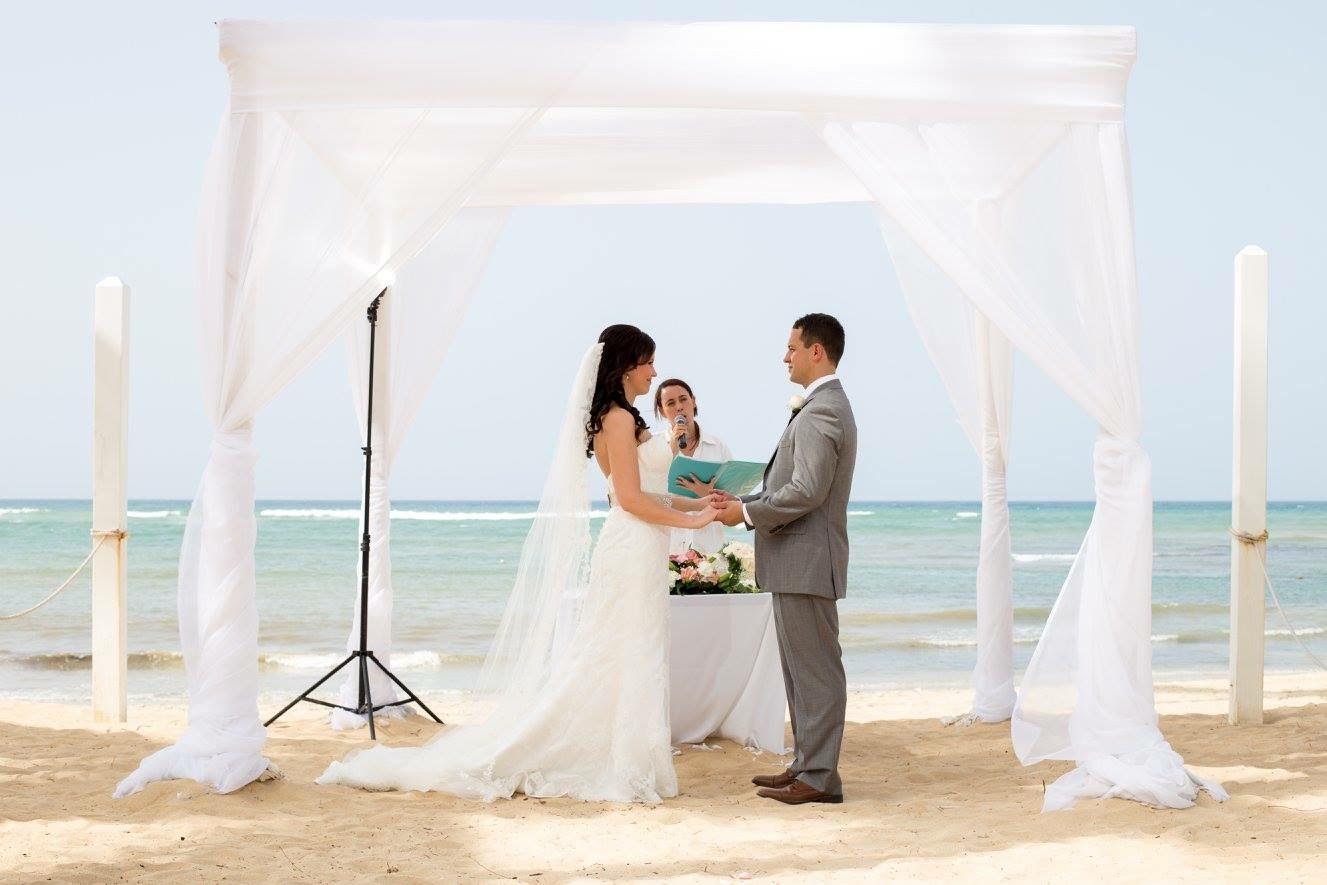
731	570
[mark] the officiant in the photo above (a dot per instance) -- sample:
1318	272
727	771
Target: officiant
676	404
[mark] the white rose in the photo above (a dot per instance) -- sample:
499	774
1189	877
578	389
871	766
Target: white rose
740	549
796	402
746	555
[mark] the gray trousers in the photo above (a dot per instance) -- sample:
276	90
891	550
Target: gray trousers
808	631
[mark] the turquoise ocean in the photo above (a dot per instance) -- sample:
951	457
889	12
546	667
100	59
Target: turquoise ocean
909	619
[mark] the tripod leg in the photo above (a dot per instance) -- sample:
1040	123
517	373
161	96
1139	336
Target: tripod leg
368	694
401	685
310	690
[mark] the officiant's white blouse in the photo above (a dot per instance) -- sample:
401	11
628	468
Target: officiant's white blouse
711	538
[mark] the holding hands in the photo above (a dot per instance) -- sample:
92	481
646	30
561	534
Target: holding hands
730	512
717	507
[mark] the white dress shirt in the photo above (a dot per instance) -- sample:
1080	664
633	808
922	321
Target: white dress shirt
810	388
709	539
820	382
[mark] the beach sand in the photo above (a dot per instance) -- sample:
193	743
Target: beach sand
923	801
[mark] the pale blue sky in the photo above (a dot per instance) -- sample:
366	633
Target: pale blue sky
110	109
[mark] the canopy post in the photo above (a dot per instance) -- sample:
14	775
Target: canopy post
110	435
1248	506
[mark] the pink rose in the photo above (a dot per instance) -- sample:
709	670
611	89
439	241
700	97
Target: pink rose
689	574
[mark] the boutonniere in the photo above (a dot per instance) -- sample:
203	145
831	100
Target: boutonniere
796	403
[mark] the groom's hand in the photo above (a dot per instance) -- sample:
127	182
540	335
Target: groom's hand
730	513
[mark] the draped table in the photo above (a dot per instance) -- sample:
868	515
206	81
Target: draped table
726	680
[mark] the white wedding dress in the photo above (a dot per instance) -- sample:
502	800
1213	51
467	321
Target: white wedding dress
598	727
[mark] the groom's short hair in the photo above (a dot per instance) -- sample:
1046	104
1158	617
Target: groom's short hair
822	329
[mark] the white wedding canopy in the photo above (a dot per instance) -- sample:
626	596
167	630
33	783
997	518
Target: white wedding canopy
357	155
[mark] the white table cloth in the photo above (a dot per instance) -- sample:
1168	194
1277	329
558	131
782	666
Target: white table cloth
726	680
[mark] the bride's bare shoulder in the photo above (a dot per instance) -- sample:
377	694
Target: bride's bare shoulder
618	420
619	423
615	424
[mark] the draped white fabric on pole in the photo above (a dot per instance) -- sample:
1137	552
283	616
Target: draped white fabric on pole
993	676
996	153
976	365
292	250
417	321
1065	294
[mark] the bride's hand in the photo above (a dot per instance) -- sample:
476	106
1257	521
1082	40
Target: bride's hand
704	517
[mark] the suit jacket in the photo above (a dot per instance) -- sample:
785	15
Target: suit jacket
801	513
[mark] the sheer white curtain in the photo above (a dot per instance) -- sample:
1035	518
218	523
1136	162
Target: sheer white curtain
417	322
1058	282
975	363
294	244
993	676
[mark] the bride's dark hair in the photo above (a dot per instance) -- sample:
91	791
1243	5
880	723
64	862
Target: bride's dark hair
625	348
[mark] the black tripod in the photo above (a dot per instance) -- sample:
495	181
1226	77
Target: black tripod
363	654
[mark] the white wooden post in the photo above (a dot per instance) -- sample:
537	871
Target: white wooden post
1249	494
110	437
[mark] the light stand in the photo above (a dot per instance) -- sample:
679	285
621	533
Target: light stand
363	654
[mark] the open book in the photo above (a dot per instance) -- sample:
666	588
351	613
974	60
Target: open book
734	477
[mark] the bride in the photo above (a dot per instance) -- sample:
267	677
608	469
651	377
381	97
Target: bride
579	665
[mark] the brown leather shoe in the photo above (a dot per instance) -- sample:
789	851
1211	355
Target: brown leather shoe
776	781
799	793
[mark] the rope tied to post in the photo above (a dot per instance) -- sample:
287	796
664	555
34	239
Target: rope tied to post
1254	541
101	536
1247	538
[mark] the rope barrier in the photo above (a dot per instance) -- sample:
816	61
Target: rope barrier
1255	540
102	536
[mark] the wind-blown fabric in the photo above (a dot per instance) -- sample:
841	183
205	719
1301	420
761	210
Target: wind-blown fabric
997	153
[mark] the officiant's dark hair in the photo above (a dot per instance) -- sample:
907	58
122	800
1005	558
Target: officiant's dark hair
822	329
671	382
625	348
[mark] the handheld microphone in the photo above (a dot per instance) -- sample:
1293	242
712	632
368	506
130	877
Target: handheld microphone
681	421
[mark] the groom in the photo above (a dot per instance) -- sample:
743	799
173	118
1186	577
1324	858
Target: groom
801	523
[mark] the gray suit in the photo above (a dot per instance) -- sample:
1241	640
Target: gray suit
801	523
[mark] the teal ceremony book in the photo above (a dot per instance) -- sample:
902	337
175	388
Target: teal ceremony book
734	477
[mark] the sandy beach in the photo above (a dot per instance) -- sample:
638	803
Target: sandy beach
924	801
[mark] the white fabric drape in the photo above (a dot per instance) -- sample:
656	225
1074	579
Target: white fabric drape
292	250
975	363
1064	293
993	675
997	152
417	321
